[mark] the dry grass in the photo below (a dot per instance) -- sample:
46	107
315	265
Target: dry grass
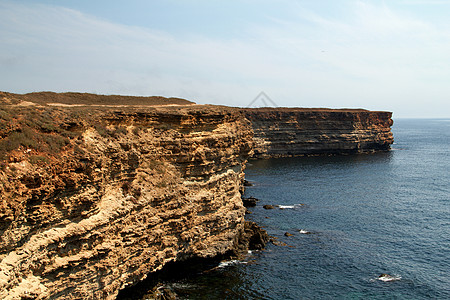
41	129
44	98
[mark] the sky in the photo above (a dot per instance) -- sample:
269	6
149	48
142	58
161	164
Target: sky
380	55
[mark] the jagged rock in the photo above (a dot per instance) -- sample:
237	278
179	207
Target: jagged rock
276	242
268	206
131	190
246	183
250	201
288	234
162	293
93	199
253	237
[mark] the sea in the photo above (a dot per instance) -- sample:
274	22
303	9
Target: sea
366	226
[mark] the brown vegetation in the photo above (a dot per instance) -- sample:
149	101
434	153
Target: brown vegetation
45	98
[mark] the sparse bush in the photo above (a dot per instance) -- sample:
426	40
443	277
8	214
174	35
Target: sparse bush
4	115
101	129
29	138
35	159
119	130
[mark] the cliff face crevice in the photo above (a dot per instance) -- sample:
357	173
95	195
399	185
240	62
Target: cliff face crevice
128	191
294	131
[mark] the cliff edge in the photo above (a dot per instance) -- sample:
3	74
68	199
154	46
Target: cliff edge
95	195
95	198
308	131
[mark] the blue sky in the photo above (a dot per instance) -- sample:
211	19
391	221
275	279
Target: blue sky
379	55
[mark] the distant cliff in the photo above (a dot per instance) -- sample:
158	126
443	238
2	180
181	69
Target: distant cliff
300	131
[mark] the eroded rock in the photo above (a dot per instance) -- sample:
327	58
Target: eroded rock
131	190
310	131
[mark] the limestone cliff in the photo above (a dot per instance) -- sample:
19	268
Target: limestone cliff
300	131
96	195
95	198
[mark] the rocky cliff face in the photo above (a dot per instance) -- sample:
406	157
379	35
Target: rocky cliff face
94	196
296	131
93	199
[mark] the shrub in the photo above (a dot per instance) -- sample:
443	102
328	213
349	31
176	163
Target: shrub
35	159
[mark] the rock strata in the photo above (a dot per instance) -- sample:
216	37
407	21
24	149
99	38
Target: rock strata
300	131
96	195
95	199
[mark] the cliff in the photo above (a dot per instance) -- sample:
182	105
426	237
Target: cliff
300	131
96	195
95	198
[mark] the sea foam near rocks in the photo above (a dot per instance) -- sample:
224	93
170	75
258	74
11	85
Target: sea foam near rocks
290	206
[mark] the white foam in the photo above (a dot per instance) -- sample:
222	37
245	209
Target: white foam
302	231
227	263
290	206
387	277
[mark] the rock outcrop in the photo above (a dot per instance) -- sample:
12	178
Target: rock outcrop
95	198
300	131
95	195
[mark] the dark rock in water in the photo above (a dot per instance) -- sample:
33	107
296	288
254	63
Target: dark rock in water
268	206
164	293
246	183
247	212
252	237
288	234
276	242
159	292
250	201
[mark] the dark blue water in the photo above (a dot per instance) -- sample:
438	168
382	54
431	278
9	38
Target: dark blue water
367	215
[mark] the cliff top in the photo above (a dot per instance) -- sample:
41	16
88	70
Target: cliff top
269	109
81	99
266	111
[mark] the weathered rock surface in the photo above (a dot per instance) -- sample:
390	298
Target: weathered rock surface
95	195
300	131
93	199
250	201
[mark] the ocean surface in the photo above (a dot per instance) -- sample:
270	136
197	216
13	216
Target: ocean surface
352	218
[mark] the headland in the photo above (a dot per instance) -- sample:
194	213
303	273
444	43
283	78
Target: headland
97	195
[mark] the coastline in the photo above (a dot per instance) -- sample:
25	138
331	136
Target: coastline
96	199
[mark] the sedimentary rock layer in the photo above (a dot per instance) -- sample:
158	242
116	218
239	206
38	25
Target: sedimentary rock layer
297	131
95	195
94	199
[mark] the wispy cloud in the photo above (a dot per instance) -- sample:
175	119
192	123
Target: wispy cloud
425	2
376	58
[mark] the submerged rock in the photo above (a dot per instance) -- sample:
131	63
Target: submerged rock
268	206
